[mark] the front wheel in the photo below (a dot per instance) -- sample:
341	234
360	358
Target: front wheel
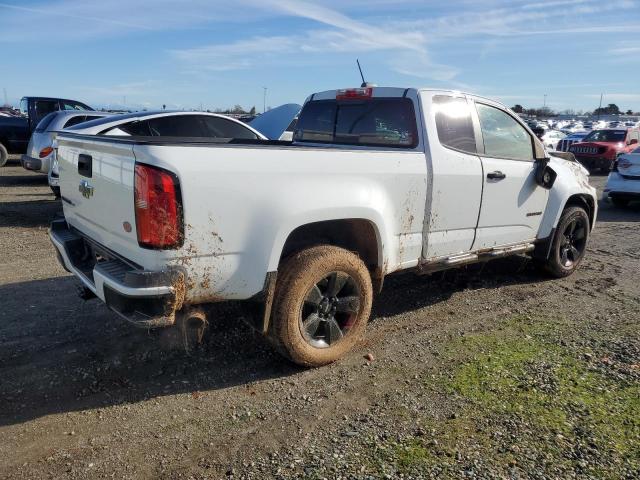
322	305
569	243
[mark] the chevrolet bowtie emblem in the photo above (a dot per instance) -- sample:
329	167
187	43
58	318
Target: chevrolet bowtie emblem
86	189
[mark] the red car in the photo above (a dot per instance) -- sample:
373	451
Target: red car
599	149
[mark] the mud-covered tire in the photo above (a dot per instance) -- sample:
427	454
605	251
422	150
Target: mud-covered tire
569	243
302	277
4	155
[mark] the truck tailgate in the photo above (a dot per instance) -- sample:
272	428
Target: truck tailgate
97	188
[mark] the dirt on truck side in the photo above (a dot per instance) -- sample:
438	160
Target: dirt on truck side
492	371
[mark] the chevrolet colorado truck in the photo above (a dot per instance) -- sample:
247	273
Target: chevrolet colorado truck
377	180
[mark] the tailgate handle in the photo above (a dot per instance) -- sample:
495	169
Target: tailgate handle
85	165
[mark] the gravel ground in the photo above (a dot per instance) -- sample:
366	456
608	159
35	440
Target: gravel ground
488	372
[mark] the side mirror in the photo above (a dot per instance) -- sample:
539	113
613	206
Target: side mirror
545	175
633	141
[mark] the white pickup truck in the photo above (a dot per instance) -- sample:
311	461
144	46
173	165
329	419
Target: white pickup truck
377	180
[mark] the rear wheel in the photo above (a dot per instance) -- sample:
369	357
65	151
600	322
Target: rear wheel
4	155
569	243
322	305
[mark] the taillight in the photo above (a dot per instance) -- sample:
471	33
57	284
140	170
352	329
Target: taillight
45	152
158	208
354	93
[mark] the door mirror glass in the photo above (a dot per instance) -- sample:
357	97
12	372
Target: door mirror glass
545	175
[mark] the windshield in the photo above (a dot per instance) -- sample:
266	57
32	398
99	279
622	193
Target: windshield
606	136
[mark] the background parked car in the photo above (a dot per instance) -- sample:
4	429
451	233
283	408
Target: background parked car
551	138
599	149
40	156
275	123
16	131
566	142
170	124
40	148
623	184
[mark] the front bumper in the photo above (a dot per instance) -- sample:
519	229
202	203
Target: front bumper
147	299
31	163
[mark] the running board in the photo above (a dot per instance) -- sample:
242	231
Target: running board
430	266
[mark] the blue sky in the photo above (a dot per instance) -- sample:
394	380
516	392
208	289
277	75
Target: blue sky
189	53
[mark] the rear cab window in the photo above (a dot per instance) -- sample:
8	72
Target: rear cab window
377	121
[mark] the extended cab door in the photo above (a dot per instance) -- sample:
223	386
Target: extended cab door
455	175
512	202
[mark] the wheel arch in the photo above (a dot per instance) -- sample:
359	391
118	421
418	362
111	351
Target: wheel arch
358	235
581	200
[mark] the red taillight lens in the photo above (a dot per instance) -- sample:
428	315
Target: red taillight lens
45	151
354	93
158	208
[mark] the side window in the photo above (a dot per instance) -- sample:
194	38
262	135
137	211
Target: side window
222	128
75	121
454	124
177	126
24	106
503	136
71	106
44	107
137	129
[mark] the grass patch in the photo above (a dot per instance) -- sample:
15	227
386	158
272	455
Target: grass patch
524	400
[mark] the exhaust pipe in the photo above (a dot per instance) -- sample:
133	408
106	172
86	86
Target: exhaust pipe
192	327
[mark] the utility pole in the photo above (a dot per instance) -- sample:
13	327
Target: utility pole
264	100
544	103
6	101
600	107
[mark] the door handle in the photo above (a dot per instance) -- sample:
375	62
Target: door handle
497	175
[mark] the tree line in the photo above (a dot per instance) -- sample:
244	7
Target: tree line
611	109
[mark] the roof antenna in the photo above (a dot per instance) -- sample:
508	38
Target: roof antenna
364	82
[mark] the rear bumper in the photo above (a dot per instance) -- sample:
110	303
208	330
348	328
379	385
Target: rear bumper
31	163
147	299
595	162
621	187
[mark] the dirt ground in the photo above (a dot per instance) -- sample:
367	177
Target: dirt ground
488	372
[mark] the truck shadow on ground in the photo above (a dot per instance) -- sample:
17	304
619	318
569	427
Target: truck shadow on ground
60	354
28	214
31	180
